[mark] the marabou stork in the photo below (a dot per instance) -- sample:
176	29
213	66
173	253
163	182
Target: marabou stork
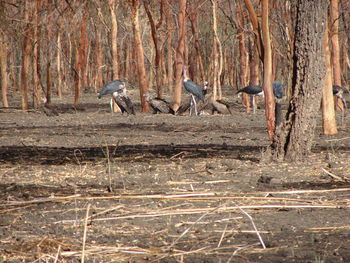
158	105
124	102
338	92
112	88
195	90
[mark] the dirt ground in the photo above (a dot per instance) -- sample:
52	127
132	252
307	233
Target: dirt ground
162	188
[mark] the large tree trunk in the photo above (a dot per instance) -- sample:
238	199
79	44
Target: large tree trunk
179	60
269	97
328	112
114	38
135	5
3	66
294	140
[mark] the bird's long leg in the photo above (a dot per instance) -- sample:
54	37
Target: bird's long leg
191	105
111	105
253	104
195	105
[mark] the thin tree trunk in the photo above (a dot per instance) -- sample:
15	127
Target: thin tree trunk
98	58
37	93
26	50
58	64
267	86
135	6
256	27
294	140
114	38
335	48
179	60
169	62
195	31
243	57
154	28
48	52
3	65
328	112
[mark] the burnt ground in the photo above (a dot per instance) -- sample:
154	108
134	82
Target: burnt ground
163	188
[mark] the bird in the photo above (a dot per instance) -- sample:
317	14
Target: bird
338	92
252	90
111	88
277	89
124	102
195	90
158	105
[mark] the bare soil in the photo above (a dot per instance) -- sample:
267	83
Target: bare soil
163	188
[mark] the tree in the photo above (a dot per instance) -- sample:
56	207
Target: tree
328	113
114	38
135	6
267	86
293	140
334	8
179	59
3	66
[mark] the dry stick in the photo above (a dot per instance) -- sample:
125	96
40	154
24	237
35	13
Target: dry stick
189	228
256	230
85	232
334	176
222	236
58	253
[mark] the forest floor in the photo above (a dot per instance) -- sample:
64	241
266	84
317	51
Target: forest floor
163	188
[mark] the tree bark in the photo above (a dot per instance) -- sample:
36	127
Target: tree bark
169	47
179	60
328	112
37	92
267	84
98	58
48	52
135	6
114	38
294	140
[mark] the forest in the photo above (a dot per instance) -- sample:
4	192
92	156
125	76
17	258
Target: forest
108	153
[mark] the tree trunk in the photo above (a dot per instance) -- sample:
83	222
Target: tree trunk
215	54
98	58
335	48
328	112
48	52
37	92
267	86
254	20
195	31
243	57
135	5
156	46
179	60
58	62
26	50
294	140
169	30
114	38
3	66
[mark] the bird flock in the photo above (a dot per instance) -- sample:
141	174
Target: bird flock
122	102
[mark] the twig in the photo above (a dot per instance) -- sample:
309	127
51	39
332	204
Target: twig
58	253
85	233
222	236
334	176
256	230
